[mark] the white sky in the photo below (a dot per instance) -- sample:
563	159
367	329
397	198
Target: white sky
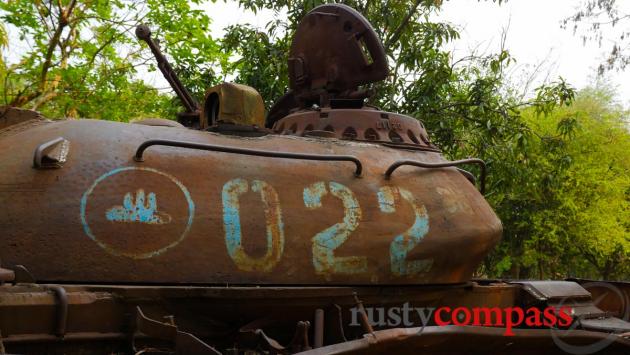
534	36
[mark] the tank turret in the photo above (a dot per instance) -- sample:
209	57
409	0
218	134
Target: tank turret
333	191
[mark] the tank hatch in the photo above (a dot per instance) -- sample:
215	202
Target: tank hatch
334	51
334	56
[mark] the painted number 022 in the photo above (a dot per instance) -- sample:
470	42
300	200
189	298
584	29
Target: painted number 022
325	242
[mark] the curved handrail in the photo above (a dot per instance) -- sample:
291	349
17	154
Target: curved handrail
261	153
481	163
468	175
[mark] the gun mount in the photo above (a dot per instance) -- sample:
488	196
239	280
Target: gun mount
228	108
192	112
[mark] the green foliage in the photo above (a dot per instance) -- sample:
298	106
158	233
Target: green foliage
252	65
463	104
564	199
83	56
4	43
534	149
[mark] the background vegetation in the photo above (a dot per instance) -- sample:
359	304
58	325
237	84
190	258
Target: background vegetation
559	160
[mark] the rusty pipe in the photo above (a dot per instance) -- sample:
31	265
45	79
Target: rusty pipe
62	309
318	331
365	321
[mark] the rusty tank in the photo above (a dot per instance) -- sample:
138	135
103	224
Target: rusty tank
235	232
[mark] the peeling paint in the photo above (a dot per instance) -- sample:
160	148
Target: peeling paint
88	231
232	190
404	243
452	202
386	200
136	210
325	242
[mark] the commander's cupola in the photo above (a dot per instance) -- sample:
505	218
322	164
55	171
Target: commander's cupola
335	55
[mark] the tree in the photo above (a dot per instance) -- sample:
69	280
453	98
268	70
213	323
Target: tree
596	15
83	55
469	111
4	43
565	201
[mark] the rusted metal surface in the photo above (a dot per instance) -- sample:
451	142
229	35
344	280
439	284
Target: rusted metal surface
611	296
176	319
191	115
6	275
470	340
334	51
61	298
224	103
52	154
481	163
232	103
10	116
182	342
217	315
258	153
358	124
334	54
318	332
161	122
86	230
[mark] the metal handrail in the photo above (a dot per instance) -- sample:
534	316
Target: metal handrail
261	153
468	175
481	163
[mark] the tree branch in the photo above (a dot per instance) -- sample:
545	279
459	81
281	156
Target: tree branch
54	41
399	30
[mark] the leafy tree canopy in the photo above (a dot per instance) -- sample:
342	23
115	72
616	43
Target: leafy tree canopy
564	199
82	57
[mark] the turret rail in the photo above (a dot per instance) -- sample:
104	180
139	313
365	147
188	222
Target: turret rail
255	152
481	163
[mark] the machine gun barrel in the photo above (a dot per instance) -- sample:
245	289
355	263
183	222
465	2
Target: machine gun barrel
143	32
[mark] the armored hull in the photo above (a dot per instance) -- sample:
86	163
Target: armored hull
185	215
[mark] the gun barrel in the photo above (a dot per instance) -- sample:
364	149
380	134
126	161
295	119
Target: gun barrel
143	32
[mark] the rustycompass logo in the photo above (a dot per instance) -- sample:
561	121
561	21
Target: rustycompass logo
508	318
567	321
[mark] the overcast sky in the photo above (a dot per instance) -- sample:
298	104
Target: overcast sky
534	36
